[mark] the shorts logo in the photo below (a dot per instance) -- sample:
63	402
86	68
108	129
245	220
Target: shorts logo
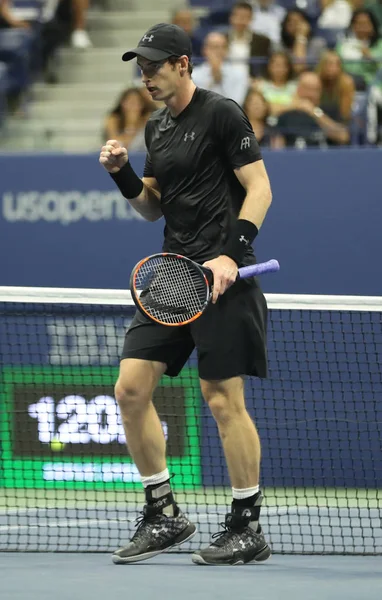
243	239
189	136
245	143
147	38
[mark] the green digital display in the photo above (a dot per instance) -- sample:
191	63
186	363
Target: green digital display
61	428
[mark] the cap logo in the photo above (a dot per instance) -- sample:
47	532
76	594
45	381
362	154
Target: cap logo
147	38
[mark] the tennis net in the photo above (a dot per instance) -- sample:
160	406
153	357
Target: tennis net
68	484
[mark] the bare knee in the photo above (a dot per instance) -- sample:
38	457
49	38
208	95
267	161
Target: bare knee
132	397
134	389
225	401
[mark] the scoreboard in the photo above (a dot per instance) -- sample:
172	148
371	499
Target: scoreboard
61	427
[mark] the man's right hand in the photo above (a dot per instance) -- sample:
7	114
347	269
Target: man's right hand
113	156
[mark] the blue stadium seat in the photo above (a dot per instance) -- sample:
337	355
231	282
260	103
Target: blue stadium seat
213	4
331	36
215	17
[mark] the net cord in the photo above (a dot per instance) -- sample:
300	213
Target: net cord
110	297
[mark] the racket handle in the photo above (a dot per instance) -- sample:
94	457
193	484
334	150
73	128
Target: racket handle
271	266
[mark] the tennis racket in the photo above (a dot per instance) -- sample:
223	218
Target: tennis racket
171	289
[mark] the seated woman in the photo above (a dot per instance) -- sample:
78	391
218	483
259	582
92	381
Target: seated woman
298	41
126	122
257	110
361	50
278	86
338	88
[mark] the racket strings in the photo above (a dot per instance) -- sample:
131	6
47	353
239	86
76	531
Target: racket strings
172	290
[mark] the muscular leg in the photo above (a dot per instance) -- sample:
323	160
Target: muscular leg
242	540
163	525
237	431
144	435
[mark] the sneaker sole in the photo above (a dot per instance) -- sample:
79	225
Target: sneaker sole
262	556
118	560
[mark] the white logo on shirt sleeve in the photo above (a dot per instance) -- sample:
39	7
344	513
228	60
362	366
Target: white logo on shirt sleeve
189	136
245	143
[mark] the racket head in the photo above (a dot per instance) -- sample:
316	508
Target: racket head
170	289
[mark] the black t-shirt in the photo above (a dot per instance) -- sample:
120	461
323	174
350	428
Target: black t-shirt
193	157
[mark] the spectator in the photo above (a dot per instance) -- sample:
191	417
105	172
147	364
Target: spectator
361	51
126	122
278	86
80	38
267	19
374	115
337	95
307	124
297	40
243	44
257	110
335	14
375	6
184	18
7	19
216	74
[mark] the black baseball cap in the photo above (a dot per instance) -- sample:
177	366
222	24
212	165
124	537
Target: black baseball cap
160	42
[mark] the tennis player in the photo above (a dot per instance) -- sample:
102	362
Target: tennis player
205	175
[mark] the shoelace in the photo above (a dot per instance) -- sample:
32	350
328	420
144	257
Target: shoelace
140	523
222	536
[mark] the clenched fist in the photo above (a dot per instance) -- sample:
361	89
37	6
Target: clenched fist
113	156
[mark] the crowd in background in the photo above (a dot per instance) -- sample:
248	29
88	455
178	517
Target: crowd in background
303	77
298	77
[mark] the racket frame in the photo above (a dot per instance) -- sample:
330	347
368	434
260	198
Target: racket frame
206	275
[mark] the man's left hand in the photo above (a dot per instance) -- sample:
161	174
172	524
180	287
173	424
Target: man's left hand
225	274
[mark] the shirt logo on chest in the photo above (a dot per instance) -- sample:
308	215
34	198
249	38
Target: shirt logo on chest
189	136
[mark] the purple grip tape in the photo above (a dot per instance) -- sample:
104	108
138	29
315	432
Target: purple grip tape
271	266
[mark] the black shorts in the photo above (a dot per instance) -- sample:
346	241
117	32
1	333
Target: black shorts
230	337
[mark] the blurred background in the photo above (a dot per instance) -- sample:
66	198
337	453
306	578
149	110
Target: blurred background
308	73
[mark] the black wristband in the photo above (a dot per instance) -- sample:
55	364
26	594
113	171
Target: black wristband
127	180
241	238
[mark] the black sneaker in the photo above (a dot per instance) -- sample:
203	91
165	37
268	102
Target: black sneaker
155	533
235	545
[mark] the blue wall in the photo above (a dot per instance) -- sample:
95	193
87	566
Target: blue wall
63	223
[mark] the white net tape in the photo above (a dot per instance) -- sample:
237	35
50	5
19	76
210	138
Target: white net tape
111	297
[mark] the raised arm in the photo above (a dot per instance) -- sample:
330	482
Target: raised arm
143	194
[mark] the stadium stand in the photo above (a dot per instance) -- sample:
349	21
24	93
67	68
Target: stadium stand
69	114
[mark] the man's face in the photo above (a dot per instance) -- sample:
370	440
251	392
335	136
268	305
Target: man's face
309	88
161	79
215	47
185	20
240	19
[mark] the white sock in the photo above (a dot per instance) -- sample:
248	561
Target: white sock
155	479
240	494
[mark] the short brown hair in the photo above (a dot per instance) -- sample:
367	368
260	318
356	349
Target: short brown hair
244	5
174	59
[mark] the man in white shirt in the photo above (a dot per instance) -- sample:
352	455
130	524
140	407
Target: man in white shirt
267	19
245	46
216	74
